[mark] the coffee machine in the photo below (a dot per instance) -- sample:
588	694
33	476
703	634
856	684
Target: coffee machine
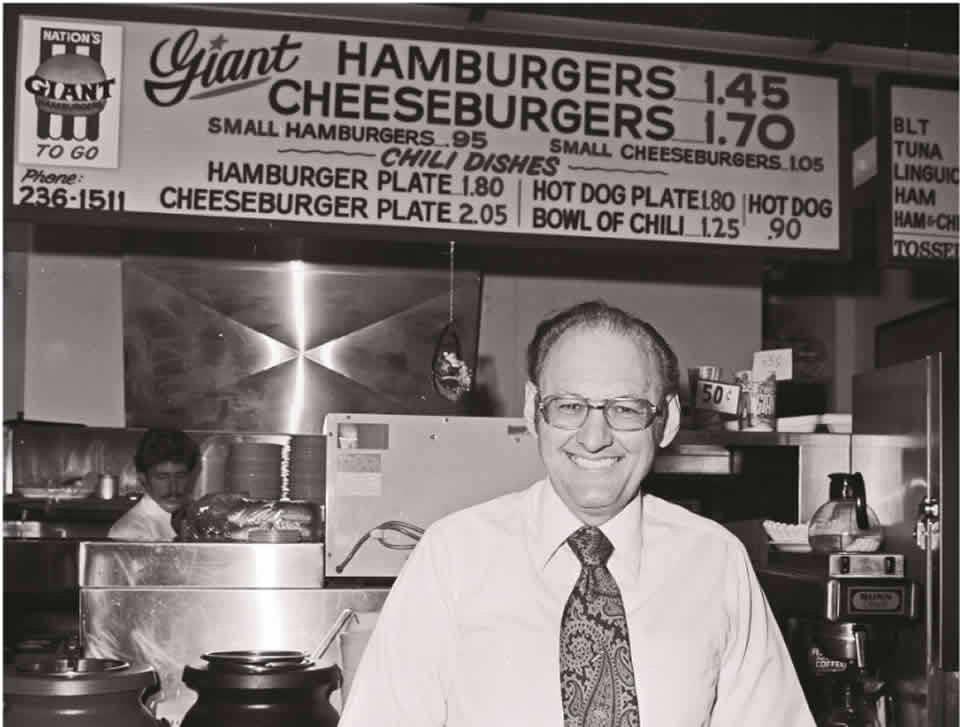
840	614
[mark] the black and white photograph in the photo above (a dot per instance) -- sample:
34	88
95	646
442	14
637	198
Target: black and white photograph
398	364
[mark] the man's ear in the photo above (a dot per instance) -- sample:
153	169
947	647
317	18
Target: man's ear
143	481
672	420
530	407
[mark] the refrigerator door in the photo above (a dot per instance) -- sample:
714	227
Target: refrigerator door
904	442
412	470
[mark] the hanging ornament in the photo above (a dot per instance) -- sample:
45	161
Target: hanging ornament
451	375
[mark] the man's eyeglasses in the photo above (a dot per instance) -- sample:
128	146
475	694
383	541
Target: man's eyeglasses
623	413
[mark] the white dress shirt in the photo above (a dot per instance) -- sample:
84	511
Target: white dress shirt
469	635
144	521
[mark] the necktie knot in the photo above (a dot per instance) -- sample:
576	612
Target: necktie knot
591	546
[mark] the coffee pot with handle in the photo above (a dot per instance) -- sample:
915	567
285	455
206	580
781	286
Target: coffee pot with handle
845	523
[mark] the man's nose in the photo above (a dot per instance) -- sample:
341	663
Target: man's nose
595	433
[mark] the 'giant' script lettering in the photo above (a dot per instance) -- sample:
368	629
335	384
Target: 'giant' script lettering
185	64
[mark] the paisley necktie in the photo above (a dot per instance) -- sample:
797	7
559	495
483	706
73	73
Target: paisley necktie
596	671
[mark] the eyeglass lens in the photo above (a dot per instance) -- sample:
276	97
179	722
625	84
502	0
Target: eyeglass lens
569	412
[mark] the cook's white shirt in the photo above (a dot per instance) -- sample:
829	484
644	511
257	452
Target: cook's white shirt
144	521
469	634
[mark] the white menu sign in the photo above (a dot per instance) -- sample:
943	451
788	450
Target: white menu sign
275	125
924	173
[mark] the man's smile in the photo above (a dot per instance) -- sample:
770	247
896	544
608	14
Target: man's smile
593	463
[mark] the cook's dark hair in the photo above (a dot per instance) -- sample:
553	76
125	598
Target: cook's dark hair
165	445
597	314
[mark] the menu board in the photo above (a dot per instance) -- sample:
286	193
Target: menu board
289	126
919	164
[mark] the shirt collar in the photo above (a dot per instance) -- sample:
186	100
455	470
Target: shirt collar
553	523
151	506
153	510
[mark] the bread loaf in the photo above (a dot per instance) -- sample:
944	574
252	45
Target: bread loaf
229	517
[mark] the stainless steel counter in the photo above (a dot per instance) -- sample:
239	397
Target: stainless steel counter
201	565
166	604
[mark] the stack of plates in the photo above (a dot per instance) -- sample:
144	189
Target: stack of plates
788	537
306	468
253	469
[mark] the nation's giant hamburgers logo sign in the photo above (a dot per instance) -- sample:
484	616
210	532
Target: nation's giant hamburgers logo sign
70	85
70	93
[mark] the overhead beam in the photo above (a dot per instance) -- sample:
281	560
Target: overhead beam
863	60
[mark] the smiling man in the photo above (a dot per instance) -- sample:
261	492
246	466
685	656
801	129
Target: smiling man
580	601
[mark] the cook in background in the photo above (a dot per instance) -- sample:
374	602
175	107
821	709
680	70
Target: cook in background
580	600
167	463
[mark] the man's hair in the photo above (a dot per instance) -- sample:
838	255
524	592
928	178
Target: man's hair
165	445
598	315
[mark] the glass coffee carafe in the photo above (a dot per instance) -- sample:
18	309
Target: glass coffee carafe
845	523
852	709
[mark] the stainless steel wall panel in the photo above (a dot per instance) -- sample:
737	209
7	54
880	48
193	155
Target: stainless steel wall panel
204	565
274	346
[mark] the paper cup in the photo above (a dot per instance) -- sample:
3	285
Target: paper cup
760	405
352	645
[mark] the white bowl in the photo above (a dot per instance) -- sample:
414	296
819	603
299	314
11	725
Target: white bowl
786	532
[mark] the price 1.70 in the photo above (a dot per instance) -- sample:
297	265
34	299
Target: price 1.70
774	131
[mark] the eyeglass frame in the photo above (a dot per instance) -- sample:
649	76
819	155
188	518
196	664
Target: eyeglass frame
542	402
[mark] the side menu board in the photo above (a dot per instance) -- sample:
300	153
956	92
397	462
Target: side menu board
275	125
918	165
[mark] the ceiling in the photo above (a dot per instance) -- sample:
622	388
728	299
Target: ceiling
931	27
868	38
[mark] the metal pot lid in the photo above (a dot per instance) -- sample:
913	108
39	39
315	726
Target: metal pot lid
205	676
254	656
63	677
66	667
270	667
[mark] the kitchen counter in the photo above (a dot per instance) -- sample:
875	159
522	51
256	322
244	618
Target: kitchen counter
87	510
724	438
